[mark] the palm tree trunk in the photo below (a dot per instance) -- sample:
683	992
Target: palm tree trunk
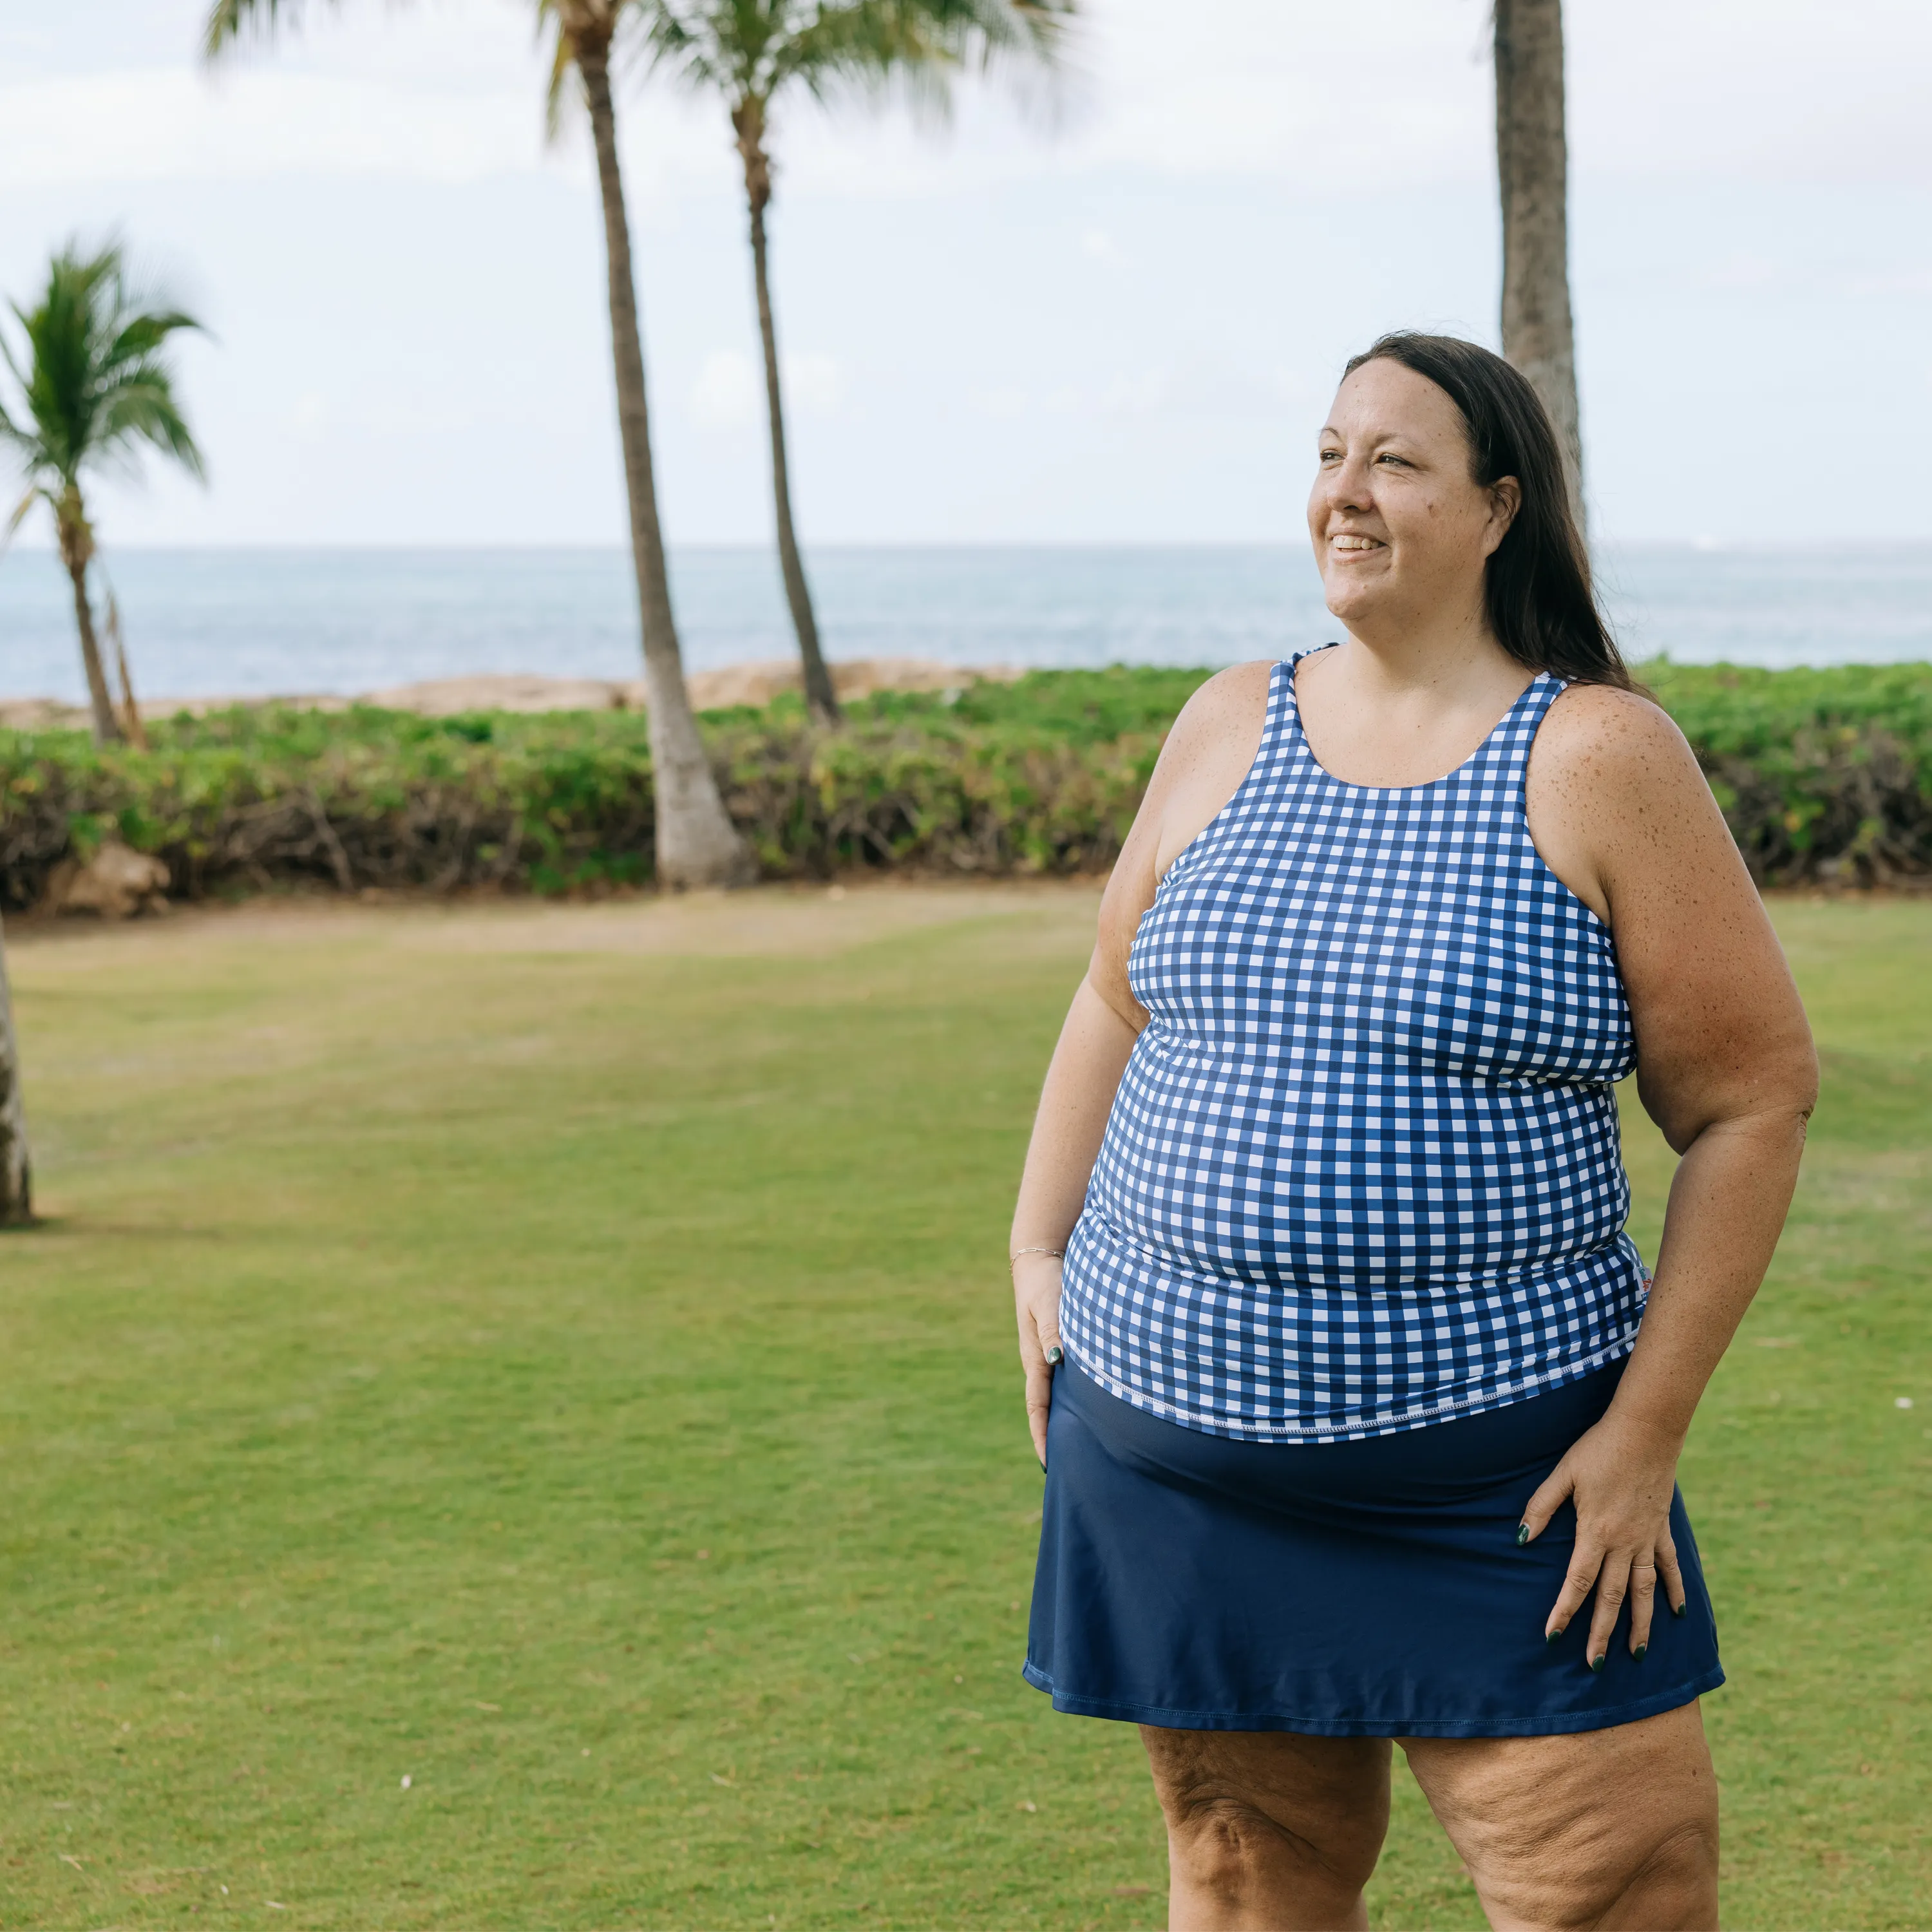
697	844
107	725
1532	168
17	1172
131	712
819	693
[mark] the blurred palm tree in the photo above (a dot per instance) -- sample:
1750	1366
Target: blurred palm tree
1532	171
95	385
752	51
697	843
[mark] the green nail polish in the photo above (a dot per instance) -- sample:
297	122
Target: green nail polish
1640	1649
1678	1609
1550	1636
1596	1663
1522	1534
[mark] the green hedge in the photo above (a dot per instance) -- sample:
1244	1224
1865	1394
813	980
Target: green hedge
1823	774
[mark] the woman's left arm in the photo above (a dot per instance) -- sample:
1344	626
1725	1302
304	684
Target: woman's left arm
1725	1067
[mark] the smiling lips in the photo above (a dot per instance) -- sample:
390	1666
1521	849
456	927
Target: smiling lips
1348	542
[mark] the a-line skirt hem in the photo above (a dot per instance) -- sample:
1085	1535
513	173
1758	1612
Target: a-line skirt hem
1372	1587
1164	1717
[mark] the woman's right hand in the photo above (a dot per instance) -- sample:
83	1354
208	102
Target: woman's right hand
1036	1305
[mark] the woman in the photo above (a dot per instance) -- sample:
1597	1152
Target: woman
1360	1413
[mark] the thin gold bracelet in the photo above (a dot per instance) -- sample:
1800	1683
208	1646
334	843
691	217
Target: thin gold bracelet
1058	1253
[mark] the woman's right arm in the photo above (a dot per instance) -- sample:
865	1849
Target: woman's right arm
1080	1083
1207	754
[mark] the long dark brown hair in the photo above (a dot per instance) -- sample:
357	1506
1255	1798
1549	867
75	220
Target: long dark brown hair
1541	605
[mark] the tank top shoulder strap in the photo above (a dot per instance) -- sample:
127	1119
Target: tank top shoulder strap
1502	765
1283	741
1279	734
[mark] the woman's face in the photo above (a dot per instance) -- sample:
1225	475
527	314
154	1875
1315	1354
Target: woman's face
1401	529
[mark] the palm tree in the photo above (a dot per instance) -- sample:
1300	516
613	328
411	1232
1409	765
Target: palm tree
752	51
1532	168
95	384
17	1172
697	843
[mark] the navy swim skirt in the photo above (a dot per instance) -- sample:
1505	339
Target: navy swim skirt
1371	1588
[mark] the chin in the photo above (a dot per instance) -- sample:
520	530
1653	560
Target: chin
1348	601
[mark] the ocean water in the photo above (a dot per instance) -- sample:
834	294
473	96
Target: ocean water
201	623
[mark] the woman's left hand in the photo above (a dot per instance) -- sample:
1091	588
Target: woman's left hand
1621	1476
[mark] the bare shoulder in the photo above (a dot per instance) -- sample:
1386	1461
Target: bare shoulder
1617	802
1621	813
1230	701
1611	742
1207	754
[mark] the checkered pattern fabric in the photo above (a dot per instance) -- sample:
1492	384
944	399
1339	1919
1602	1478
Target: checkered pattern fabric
1362	1173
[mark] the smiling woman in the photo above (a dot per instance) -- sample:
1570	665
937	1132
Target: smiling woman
1361	1413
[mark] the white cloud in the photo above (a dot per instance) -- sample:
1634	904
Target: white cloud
730	392
1322	103
727	394
1234	195
174	125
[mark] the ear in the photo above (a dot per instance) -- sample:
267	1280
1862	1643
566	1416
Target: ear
1505	500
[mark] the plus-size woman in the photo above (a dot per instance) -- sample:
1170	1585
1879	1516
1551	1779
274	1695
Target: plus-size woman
1360	1414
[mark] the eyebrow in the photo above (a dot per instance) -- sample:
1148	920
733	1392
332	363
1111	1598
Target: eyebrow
1386	440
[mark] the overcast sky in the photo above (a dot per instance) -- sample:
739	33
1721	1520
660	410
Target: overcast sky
1114	317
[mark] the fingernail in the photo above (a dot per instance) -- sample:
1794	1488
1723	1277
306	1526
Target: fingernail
1055	1356
1640	1649
1596	1663
1550	1636
1522	1534
1678	1609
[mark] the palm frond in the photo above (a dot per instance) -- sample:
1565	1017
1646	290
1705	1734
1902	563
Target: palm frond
754	49
19	516
142	334
94	381
226	20
703	45
144	409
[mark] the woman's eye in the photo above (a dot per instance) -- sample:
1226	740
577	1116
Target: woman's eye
1331	456
1388	456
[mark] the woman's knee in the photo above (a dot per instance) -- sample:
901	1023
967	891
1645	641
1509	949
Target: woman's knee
1250	1813
1567	1856
1666	1884
1675	1887
1228	1846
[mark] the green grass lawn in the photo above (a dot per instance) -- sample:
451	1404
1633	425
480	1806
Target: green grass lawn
512	1422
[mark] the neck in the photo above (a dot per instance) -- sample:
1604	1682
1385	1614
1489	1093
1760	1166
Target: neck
1445	651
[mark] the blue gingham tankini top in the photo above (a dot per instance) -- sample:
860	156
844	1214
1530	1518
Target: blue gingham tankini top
1362	1173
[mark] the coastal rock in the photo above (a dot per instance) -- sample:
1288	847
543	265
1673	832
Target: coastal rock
117	883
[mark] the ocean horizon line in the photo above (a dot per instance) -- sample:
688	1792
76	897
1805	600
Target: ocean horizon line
1697	546
247	619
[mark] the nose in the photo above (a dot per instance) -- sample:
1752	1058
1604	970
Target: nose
1345	486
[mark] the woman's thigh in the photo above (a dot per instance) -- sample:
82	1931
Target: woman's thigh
1609	1828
